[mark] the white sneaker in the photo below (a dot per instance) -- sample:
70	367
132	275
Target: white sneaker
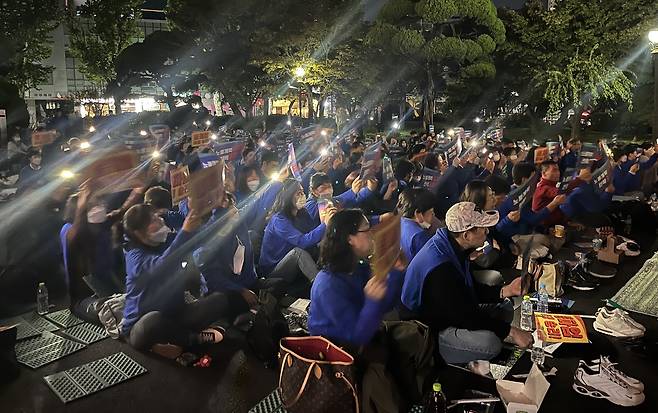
626	317
604	364
594	384
615	325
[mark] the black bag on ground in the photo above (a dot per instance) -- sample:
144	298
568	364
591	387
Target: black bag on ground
268	327
8	364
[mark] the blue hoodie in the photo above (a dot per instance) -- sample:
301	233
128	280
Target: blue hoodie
215	258
585	200
435	252
282	236
153	282
506	228
340	309
413	237
257	207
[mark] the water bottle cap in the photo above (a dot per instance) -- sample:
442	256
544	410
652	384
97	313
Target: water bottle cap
436	387
526	298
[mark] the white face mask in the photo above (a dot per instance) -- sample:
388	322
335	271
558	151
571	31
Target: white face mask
17	139
97	214
160	235
425	225
326	194
253	185
301	202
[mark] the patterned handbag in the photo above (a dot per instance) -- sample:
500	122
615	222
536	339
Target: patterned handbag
316	376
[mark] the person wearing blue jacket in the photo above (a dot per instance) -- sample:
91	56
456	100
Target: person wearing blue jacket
471	319
155	310
247	182
289	234
160	199
417	209
347	303
321	188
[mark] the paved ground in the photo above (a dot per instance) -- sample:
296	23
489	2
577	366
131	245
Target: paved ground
236	381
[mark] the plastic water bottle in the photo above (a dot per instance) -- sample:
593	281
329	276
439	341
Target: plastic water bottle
542	299
42	299
526	314
537	355
628	227
436	400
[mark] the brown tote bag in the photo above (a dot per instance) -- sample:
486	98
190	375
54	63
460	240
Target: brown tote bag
316	376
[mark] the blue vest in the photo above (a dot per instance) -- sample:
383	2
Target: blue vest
436	251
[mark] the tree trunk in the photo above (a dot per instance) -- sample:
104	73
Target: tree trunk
117	107
428	116
309	97
575	122
292	103
235	108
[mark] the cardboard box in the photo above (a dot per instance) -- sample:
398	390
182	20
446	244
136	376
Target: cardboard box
524	397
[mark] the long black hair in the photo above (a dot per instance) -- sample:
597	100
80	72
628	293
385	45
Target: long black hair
335	251
241	181
476	192
414	200
137	218
285	200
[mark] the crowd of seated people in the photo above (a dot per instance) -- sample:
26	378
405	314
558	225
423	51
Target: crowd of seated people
184	268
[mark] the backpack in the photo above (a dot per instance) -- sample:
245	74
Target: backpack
267	328
111	314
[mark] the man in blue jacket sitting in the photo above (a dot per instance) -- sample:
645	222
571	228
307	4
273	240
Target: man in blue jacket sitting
471	319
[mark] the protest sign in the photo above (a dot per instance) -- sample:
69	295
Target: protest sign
523	194
588	154
293	164
43	138
372	161
116	172
206	188
208	159
143	146
541	154
453	150
458	133
179	179
161	134
430	178
495	135
386	239
229	151
553	149
387	171
601	177
200	138
561	328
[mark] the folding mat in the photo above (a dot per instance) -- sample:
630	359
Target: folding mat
93	377
63	318
272	404
29	325
46	348
640	294
85	333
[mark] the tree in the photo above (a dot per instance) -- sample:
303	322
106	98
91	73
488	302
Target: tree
99	33
11	101
25	40
443	40
565	57
164	58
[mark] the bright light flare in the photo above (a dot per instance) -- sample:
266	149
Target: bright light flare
396	125
84	145
155	155
143	132
300	72
92	129
275	176
323	133
478	120
288	122
262	144
451	132
324	152
208	123
66	174
653	36
213	137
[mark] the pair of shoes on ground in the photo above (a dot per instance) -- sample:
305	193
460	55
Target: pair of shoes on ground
212	335
617	323
580	280
601	379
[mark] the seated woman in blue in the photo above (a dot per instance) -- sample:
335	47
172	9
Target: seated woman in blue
155	311
347	303
160	199
416	205
247	183
322	190
289	233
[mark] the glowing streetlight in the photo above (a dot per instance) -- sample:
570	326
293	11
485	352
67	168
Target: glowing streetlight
85	145
92	129
478	120
288	122
66	174
300	72
653	36
143	133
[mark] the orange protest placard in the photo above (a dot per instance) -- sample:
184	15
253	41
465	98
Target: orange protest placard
541	154
386	237
116	172
206	188
42	138
561	328
200	138
179	179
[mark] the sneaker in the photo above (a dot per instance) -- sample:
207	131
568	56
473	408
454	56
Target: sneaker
618	312
580	281
607	367
599	270
615	325
601	386
210	336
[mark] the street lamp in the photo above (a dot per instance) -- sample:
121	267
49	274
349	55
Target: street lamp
653	38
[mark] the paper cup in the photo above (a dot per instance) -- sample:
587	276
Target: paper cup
559	231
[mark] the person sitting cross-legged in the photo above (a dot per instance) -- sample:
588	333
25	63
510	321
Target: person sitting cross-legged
471	319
